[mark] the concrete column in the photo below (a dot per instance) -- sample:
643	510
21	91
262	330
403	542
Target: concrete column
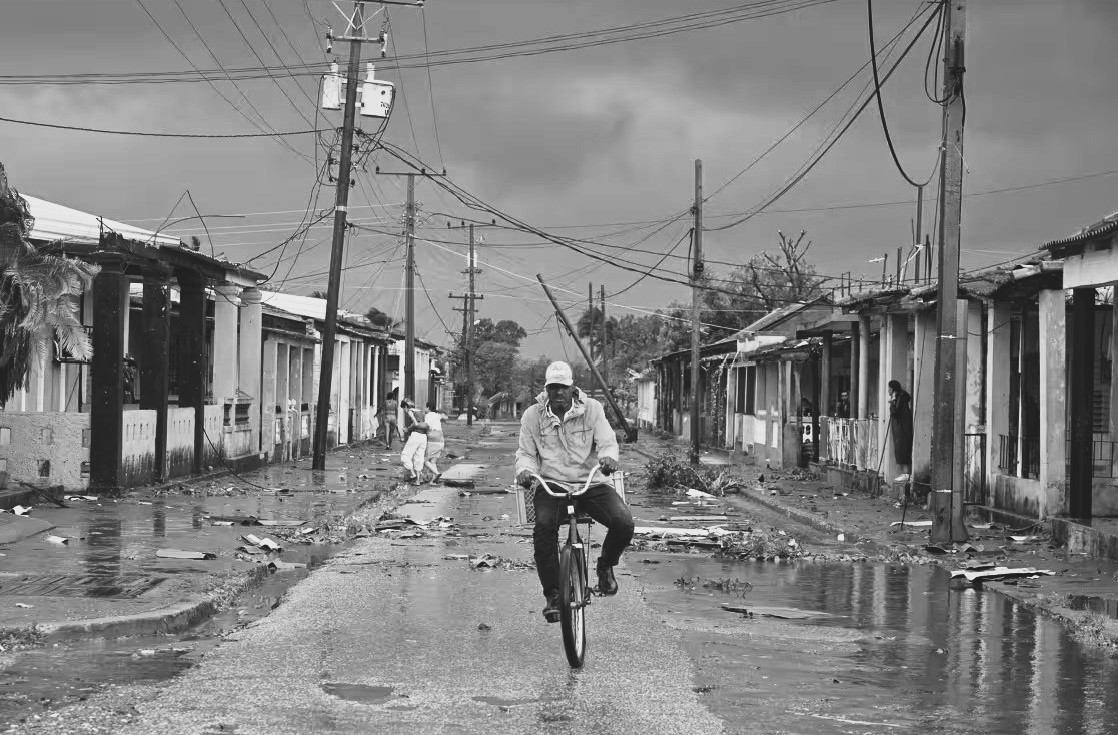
924	354
1053	381
855	359
106	419
962	319
825	377
863	367
270	369
997	384
225	352
893	366
192	356
1081	399
1114	384
976	370
154	374
250	340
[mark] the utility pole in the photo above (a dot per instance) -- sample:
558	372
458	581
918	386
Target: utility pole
918	237
409	291
605	355
341	208
630	433
471	301
947	493
696	277
375	102
590	314
469	316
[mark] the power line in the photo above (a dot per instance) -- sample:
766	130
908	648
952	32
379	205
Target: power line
148	134
820	153
809	115
757	9
881	104
431	87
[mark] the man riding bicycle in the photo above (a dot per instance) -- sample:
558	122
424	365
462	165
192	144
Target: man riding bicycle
562	436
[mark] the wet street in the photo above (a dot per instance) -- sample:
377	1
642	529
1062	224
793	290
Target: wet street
405	631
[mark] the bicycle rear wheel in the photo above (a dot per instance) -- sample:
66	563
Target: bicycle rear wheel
572	605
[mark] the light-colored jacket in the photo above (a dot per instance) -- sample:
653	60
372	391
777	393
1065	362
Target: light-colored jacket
565	450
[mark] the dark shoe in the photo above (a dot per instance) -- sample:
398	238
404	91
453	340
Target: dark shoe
437	479
551	609
607	583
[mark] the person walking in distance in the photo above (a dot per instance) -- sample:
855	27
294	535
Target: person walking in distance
391	408
435	441
562	436
415	441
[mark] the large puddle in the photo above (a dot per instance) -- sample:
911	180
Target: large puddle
839	648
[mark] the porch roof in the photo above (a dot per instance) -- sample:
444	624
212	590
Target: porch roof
59	222
315	308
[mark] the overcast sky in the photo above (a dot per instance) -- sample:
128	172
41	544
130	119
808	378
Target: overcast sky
573	141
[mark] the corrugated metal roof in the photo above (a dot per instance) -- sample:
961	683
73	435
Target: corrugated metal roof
59	222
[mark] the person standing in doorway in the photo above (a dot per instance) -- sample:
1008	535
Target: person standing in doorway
900	415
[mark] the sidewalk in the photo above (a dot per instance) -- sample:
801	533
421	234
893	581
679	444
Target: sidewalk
1083	593
106	566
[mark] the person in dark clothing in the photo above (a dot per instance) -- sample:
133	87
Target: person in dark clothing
842	408
900	416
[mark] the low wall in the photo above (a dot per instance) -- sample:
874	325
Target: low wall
138	456
214	436
180	441
50	447
1016	495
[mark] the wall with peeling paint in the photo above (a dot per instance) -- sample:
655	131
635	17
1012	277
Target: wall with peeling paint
50	447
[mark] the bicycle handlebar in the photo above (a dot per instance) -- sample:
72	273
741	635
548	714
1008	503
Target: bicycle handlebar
540	482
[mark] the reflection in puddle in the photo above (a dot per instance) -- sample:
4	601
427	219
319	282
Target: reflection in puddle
897	642
362	693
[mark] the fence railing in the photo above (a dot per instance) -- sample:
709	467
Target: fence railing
850	442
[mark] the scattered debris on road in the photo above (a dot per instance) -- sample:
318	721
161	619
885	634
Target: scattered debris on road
180	554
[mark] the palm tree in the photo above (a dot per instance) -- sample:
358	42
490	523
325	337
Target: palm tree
37	296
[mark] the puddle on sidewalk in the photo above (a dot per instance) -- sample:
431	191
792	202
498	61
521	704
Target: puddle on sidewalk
897	648
41	679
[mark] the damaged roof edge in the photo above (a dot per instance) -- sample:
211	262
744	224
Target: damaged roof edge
1101	229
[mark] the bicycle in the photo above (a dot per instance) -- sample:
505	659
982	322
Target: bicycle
574	574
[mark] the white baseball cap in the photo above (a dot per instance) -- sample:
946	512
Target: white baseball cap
559	373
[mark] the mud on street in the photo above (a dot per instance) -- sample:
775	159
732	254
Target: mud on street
432	624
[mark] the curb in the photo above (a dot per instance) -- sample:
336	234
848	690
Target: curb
175	618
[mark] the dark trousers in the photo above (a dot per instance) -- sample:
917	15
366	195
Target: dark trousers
604	505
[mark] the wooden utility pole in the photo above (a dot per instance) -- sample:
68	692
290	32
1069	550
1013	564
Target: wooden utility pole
919	235
947	495
630	434
409	292
341	209
605	354
471	307
469	316
590	327
696	302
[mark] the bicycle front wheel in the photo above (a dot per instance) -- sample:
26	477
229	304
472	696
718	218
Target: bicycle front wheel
572	605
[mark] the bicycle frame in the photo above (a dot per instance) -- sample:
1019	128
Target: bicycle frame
575	594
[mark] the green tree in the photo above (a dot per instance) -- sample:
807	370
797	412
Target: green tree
38	296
